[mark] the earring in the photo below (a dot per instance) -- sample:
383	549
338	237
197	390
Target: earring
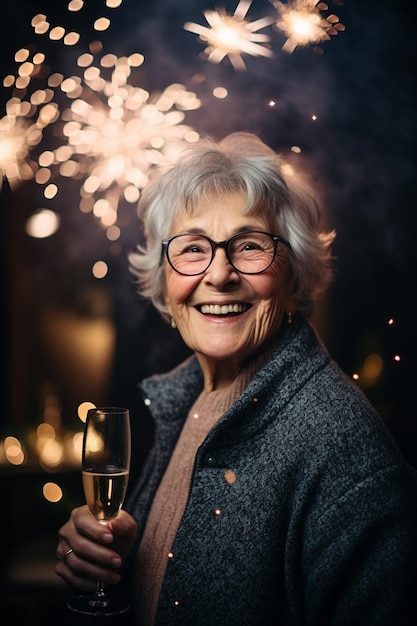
289	317
173	324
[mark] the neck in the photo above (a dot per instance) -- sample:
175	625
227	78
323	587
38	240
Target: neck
218	374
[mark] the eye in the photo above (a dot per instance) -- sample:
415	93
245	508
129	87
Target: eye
190	245
193	248
250	245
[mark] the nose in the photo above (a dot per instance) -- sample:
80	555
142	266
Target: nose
220	270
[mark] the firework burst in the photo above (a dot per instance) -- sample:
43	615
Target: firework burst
302	23
116	133
106	133
232	35
32	108
17	138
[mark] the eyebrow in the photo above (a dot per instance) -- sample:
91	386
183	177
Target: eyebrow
242	229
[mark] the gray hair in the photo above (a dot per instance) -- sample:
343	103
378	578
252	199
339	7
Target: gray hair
240	162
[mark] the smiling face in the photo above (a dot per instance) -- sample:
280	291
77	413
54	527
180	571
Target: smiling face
222	315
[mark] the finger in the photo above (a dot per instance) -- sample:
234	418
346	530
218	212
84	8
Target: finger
68	554
75	581
83	522
83	574
63	551
97	553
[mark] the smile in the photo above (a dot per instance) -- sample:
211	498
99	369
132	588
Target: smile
223	309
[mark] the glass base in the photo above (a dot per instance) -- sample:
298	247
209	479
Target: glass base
96	606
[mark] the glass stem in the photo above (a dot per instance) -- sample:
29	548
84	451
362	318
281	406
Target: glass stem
100	589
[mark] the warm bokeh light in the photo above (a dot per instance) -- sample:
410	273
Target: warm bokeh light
83	410
50	191
52	492
102	23
57	33
46	448
100	269
43	223
45	431
51	453
75	5
220	92
372	369
13	450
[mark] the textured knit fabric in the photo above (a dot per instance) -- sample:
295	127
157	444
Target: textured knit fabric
319	526
171	497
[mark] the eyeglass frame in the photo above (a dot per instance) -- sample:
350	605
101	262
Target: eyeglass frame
225	245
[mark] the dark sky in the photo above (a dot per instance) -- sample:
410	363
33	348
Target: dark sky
360	151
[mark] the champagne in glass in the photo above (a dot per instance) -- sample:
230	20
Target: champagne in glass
105	472
105	491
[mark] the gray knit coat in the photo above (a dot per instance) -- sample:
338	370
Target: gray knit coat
320	526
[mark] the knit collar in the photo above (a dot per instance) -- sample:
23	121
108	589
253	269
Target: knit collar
170	395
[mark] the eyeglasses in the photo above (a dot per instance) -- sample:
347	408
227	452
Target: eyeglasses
250	252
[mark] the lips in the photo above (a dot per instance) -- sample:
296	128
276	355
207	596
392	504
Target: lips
223	309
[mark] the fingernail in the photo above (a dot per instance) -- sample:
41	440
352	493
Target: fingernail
107	537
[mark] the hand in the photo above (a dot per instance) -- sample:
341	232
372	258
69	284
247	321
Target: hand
98	549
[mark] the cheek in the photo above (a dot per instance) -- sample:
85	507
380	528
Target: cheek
274	284
178	289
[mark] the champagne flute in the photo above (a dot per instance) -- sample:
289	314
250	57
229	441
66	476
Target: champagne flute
105	472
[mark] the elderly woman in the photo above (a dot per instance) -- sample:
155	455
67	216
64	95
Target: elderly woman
273	493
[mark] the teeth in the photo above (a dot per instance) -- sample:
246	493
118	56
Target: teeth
217	309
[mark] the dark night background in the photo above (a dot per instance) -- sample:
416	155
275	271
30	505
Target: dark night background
360	153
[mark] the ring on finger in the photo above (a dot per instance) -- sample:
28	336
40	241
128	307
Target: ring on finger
67	553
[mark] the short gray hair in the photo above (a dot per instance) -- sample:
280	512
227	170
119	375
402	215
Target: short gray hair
240	162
